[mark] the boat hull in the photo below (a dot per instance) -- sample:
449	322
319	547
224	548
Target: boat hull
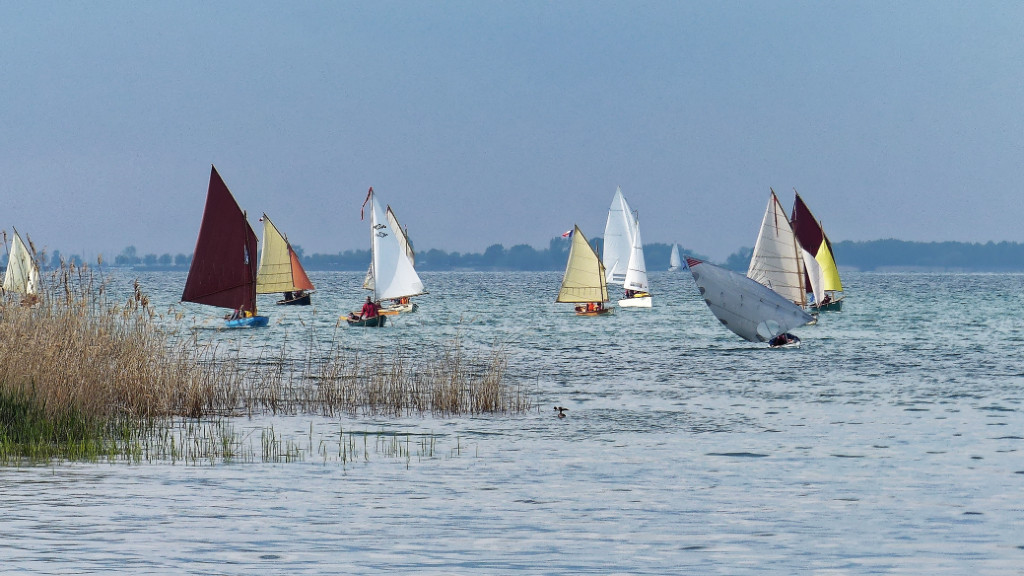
833	306
303	300
598	312
636	302
375	322
250	322
400	308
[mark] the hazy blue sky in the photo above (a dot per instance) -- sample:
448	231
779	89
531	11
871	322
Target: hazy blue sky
484	122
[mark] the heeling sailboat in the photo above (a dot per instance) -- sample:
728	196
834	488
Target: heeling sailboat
822	273
750	310
223	269
674	262
22	274
776	261
584	282
624	254
280	270
393	274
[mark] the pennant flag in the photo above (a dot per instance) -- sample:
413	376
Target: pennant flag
567	234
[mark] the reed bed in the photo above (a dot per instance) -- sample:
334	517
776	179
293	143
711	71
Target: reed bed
85	377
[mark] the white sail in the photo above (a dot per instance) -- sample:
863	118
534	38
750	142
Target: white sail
584	279
392	271
674	263
22	275
636	270
618	239
403	239
776	261
749	309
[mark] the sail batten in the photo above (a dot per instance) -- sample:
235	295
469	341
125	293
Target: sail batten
223	269
584	279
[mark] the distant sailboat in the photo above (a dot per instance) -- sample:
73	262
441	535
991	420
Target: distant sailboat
280	270
674	262
776	261
822	274
624	254
22	274
223	269
401	304
751	310
584	282
391	269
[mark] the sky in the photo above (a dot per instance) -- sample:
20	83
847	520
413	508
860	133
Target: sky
508	122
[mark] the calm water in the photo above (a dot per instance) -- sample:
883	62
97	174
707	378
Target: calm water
890	443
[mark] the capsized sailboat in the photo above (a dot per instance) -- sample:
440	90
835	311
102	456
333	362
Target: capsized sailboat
624	254
584	282
223	269
776	261
751	310
22	274
674	262
391	269
280	270
822	274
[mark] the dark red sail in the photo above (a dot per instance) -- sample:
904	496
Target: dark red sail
223	270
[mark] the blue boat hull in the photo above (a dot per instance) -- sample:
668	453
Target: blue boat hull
251	322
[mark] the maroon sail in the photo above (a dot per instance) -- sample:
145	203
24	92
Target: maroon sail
223	270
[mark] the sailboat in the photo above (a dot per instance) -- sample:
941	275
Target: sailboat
223	269
822	274
401	304
584	282
624	253
751	310
391	269
674	262
776	261
22	274
280	270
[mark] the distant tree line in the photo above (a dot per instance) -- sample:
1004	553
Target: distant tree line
868	256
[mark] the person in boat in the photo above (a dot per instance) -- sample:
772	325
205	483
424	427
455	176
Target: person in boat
825	299
288	296
630	293
782	340
238	314
370	309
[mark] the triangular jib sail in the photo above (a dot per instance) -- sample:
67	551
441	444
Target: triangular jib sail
674	262
636	270
22	275
584	279
391	269
223	269
749	309
280	270
776	261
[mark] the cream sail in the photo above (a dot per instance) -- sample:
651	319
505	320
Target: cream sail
22	275
584	280
280	270
776	261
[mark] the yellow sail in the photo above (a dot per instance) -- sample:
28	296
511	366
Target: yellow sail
829	271
584	279
275	273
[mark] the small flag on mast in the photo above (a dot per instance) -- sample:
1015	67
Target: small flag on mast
567	234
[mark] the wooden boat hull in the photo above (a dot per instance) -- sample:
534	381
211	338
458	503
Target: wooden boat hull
303	300
250	322
375	322
833	306
636	302
400	308
599	312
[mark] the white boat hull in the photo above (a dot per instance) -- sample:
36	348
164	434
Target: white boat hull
642	302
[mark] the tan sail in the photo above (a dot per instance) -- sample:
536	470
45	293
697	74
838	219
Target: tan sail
584	279
22	275
280	270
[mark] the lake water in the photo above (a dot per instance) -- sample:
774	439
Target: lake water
889	443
